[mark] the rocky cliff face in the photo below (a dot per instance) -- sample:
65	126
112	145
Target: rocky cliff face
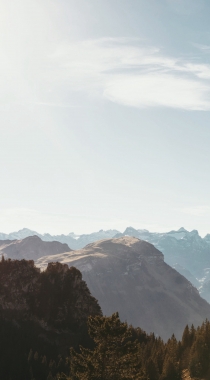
187	248
55	303
184	250
130	276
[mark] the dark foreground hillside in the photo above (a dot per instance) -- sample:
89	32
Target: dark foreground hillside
119	352
51	328
45	312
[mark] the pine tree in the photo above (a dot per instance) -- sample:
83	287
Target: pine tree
171	370
152	371
186	338
115	357
192	334
171	366
200	352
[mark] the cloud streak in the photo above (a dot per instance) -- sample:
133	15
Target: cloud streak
126	72
121	70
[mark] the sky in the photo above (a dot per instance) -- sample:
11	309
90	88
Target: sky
104	115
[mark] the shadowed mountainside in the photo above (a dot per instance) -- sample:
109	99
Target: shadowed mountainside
130	276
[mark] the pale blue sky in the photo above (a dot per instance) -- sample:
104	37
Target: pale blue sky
104	115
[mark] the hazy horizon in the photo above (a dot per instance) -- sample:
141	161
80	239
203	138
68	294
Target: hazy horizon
95	231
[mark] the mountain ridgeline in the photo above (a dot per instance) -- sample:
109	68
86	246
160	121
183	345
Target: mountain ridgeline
186	251
129	275
72	240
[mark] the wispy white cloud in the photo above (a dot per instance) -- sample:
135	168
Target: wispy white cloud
121	70
126	72
157	89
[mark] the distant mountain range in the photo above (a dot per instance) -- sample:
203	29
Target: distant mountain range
73	241
130	276
186	251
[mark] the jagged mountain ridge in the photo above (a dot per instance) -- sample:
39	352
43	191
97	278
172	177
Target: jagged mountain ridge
73	241
180	247
130	276
186	251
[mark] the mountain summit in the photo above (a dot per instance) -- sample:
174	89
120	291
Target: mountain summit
130	276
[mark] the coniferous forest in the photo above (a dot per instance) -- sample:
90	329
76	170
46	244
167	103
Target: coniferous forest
115	351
